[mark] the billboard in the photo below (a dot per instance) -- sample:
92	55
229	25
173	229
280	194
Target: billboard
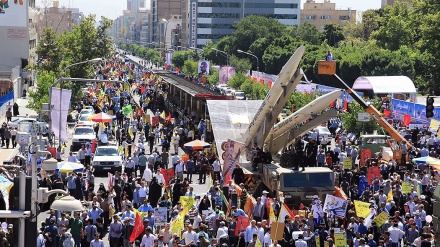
226	73
203	68
13	13
168	58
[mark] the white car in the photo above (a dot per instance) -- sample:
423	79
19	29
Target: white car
82	135
83	118
107	158
324	135
26	124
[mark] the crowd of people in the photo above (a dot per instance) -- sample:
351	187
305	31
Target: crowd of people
152	201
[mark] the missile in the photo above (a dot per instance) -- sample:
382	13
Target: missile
273	95
301	115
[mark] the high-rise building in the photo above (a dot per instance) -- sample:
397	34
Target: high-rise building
319	14
384	3
210	20
162	11
135	5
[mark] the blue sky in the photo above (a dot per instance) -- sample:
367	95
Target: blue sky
113	8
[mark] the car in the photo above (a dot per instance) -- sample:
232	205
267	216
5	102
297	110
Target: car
15	123
82	135
107	159
239	95
324	135
86	111
89	107
83	118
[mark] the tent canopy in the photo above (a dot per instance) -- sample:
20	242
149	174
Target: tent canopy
385	84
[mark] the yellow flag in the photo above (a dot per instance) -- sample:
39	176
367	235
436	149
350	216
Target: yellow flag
130	132
258	243
177	224
111	212
187	203
362	208
272	215
163	115
390	195
126	151
121	149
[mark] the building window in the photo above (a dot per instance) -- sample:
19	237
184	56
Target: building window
326	17
344	17
218	15
215	26
310	17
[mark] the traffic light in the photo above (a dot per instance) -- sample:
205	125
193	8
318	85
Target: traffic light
429	107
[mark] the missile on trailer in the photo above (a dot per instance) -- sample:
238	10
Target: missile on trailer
273	95
304	113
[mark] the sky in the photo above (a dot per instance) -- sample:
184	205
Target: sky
113	8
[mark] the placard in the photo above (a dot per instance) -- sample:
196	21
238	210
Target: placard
340	240
317	242
277	230
406	187
381	219
160	216
348	164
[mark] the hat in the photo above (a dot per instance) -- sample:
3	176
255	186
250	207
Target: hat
126	218
222	223
422	197
265	192
370	236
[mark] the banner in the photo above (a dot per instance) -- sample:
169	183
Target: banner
434	125
59	112
400	107
285	211
187	203
225	74
203	68
232	158
340	240
406	187
168	57
242	223
335	206
373	172
168	175
178	224
348	164
365	154
362	208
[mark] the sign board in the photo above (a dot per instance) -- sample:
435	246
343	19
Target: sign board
277	230
23	139
381	219
340	240
363	117
160	216
348	164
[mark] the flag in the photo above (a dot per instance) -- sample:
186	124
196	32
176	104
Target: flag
130	132
110	181
386	113
269	209
168	174
177	224
406	120
224	199
249	205
126	152
362	208
390	196
169	117
138	228
345	105
111	212
258	243
127	110
229	208
285	211
163	115
187	203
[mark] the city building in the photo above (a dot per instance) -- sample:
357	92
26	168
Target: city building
210	20
163	11
384	3
134	5
319	14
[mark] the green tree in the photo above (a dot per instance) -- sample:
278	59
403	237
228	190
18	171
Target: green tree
49	51
242	65
279	52
350	119
190	67
299	99
307	33
333	34
179	58
237	80
41	93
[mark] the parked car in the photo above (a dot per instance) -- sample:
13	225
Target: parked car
82	135
107	159
324	135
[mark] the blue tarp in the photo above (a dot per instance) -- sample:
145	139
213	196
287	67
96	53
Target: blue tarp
7	97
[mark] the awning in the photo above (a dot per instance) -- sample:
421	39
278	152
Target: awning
385	84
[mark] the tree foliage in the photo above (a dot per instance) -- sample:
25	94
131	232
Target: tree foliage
350	118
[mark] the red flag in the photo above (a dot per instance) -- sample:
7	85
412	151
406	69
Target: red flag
177	70
332	104
242	223
345	105
386	113
301	206
169	117
167	175
406	120
138	228
227	178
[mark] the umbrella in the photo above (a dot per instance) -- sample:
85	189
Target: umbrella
197	145
426	160
69	167
101	118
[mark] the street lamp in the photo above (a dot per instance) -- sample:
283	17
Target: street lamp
250	54
94	60
224	53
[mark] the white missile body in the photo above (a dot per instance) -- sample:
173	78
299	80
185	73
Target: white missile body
314	107
273	95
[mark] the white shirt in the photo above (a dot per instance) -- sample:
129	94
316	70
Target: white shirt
160	178
221	233
72	158
300	243
147	241
148	175
179	167
143	192
175	159
41	241
98	243
216	166
267	240
190	236
396	234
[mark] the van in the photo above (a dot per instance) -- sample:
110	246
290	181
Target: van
239	95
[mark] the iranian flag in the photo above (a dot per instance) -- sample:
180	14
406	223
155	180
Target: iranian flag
285	211
138	228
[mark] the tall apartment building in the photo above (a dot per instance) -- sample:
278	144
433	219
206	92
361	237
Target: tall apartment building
210	20
134	5
162	10
319	14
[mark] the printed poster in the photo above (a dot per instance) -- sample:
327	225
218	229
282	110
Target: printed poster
203	68
373	172
335	206
160	216
226	73
232	158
